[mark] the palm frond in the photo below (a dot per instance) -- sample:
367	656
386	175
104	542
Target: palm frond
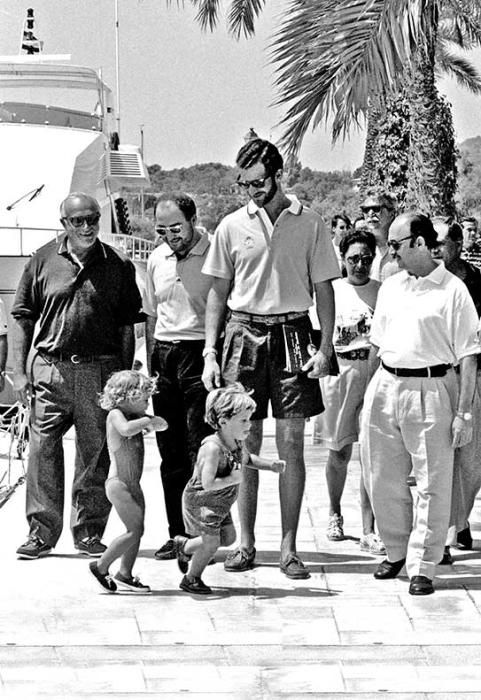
207	14
332	54
242	16
457	67
461	22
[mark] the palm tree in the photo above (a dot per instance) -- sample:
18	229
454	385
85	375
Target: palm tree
349	59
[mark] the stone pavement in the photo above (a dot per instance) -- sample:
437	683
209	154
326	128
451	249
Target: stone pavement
340	634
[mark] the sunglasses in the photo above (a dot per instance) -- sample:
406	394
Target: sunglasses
375	208
395	245
164	230
260	182
365	260
79	221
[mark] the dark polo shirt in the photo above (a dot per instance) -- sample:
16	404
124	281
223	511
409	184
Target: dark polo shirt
79	309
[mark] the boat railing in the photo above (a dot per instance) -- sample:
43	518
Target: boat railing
135	248
24	240
20	241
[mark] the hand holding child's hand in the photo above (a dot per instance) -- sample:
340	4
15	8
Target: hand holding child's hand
278	466
158	424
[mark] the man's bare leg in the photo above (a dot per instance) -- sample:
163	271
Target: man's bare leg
290	446
248	490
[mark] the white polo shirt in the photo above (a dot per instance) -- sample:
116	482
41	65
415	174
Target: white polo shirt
424	321
273	266
175	292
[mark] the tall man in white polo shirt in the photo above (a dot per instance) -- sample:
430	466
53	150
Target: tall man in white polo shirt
267	260
175	298
414	414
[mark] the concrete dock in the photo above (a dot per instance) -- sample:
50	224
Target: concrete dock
340	634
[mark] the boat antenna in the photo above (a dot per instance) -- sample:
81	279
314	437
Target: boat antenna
29	42
33	193
117	65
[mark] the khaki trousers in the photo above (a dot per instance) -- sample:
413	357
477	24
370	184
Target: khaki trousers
406	426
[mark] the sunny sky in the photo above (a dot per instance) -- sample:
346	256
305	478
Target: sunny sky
194	94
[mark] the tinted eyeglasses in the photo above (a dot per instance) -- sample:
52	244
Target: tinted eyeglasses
395	245
365	260
164	230
80	221
375	208
260	182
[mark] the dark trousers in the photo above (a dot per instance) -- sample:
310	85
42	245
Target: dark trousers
66	395
180	399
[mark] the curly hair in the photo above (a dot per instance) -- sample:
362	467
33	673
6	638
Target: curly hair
127	385
227	402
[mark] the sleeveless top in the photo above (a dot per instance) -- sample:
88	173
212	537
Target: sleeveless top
228	460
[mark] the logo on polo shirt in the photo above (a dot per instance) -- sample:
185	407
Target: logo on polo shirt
249	242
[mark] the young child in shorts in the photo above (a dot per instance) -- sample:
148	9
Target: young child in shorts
126	396
213	488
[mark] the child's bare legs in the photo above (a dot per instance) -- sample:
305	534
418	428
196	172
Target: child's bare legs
131	513
203	548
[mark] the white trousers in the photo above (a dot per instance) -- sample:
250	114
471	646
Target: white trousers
406	427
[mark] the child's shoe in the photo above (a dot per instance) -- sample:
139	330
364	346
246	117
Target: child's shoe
182	558
131	584
105	580
195	585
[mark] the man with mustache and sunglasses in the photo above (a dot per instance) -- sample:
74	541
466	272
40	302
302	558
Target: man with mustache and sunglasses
379	210
267	260
174	300
415	413
81	298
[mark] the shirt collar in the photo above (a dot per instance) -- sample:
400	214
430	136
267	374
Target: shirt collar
436	276
97	248
295	206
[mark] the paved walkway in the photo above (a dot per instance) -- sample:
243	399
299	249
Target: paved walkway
340	634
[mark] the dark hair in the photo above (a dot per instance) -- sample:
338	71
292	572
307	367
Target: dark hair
341	217
421	225
385	198
259	150
357	237
455	231
181	200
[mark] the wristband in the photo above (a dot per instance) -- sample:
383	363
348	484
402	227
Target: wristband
208	350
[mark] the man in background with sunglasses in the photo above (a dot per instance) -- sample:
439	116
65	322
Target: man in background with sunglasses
174	300
267	260
81	297
415	414
379	210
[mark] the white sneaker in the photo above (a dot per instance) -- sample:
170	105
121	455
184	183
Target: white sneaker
334	530
131	584
372	543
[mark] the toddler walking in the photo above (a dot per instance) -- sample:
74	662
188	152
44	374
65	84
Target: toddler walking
126	396
213	488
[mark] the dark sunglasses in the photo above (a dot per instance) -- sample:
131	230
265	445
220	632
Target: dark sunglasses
375	208
164	230
260	182
79	221
365	260
395	245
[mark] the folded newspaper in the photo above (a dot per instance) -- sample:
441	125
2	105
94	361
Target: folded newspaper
300	344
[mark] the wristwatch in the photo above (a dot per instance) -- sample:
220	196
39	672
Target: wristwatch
209	351
464	415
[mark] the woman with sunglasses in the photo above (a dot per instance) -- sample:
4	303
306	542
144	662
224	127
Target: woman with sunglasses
343	395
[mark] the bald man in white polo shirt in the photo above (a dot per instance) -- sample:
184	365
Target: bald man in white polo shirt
414	414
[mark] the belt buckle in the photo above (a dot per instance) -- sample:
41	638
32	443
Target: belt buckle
75	359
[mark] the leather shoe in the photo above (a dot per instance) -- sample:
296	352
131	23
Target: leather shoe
389	569
447	559
464	538
421	585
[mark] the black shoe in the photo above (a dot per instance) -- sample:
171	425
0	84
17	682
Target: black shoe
167	551
421	585
195	585
464	538
90	546
33	548
389	569
105	580
447	559
182	558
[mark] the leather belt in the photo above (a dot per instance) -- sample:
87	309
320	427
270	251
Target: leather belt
269	319
433	371
359	354
74	358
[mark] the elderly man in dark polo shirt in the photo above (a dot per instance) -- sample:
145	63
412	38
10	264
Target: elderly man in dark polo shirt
83	297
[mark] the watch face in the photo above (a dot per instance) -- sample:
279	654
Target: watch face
467	416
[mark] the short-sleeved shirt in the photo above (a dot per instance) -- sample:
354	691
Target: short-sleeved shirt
3	319
273	266
424	321
353	316
79	310
383	266
176	291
